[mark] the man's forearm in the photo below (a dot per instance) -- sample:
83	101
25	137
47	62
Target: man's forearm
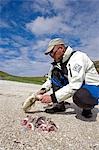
42	91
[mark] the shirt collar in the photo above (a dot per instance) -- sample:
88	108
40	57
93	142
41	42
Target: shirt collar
67	54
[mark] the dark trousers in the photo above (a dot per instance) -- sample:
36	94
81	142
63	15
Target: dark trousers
86	97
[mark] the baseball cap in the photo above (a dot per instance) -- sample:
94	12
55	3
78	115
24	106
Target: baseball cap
53	43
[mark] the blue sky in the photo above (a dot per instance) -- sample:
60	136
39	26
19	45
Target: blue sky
26	27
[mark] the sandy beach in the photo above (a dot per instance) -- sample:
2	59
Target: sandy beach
74	131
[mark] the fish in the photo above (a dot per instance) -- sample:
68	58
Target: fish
40	123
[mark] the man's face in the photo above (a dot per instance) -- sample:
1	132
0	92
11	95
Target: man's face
57	52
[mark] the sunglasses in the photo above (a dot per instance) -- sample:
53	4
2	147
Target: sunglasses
52	52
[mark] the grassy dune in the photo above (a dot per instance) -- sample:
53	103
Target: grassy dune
97	65
35	80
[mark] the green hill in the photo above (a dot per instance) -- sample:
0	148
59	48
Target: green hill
97	65
35	80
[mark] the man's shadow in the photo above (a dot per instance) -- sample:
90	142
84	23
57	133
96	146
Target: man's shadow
74	109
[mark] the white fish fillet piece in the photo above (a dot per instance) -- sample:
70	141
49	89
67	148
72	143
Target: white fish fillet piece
30	101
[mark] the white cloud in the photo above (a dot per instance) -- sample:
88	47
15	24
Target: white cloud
59	4
42	6
8	53
91	47
47	7
70	19
8	41
38	48
3	41
4	24
45	26
2	51
40	44
19	39
24	67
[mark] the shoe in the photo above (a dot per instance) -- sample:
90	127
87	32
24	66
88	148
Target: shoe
87	113
58	107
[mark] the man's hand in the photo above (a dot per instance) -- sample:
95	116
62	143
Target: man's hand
46	99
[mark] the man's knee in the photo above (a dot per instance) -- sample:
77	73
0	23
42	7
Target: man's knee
84	99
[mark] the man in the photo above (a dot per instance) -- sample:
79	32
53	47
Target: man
72	75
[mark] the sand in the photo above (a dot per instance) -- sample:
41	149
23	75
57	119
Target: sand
74	131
